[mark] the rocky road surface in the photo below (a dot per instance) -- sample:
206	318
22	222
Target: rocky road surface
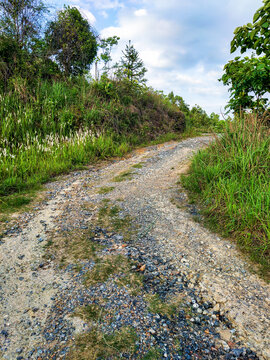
220	309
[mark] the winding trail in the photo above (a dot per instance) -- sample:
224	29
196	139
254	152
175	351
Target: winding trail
31	284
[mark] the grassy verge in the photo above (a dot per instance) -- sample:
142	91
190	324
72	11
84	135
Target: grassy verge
231	181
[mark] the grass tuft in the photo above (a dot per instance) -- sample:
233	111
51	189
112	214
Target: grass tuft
105	190
123	176
138	166
158	306
97	345
112	265
153	354
109	217
91	312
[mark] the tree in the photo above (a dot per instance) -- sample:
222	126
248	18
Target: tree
249	81
179	101
20	20
249	78
20	25
254	36
131	66
106	45
72	41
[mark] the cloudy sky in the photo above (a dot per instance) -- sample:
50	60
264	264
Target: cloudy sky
183	43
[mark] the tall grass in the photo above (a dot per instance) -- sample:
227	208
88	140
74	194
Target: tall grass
231	179
60	125
35	161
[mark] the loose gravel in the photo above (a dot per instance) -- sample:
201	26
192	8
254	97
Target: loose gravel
219	309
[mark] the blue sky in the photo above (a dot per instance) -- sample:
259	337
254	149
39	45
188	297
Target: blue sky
183	43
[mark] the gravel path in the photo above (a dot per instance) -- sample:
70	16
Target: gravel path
186	293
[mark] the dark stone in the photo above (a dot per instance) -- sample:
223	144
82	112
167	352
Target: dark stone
4	333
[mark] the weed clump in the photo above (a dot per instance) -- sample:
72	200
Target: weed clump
115	265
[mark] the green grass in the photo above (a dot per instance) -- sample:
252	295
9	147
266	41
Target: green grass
91	312
105	190
123	176
231	180
138	166
14	202
73	247
97	345
158	306
105	268
153	354
108	217
115	265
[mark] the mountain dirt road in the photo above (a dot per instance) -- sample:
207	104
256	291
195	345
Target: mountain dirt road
113	262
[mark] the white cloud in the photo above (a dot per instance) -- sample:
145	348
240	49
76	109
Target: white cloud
184	44
104	14
104	4
140	12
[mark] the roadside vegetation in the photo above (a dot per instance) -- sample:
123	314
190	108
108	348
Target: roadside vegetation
231	178
232	183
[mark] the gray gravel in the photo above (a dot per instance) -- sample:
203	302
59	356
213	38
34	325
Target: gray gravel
224	312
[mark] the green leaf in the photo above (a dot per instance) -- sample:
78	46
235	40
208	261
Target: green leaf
253	33
261	67
256	16
236	30
265	25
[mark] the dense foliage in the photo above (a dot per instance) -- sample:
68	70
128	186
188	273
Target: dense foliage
249	81
71	40
254	36
21	20
196	117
